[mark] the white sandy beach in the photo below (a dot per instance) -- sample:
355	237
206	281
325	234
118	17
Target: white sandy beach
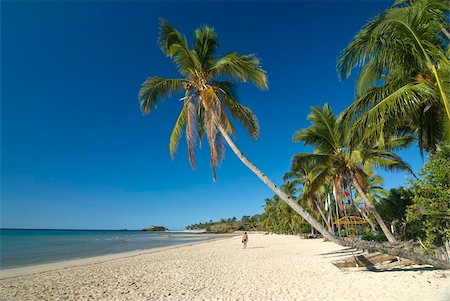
274	267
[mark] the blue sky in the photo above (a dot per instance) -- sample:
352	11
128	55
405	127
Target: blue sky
76	150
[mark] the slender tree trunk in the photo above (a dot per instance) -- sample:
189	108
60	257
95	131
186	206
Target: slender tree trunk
446	33
330	214
321	214
372	210
330	220
312	221
337	214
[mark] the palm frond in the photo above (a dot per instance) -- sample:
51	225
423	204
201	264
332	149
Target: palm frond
155	88
175	45
386	160
205	46
226	92
311	160
322	134
191	131
244	68
397	107
177	132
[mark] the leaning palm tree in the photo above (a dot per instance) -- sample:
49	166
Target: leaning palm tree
208	100
336	162
404	80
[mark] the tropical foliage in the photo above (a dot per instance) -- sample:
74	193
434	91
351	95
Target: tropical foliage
246	223
336	162
393	207
403	83
430	207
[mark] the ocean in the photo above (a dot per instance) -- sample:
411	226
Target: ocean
20	248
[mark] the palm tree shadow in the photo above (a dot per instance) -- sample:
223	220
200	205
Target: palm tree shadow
346	250
347	254
343	252
404	269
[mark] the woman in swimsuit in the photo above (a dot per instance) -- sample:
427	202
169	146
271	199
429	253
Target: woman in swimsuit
245	240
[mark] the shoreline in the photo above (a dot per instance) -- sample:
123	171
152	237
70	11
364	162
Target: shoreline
273	267
79	262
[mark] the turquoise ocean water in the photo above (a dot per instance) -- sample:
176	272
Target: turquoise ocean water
29	247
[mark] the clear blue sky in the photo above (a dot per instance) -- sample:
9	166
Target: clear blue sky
76	151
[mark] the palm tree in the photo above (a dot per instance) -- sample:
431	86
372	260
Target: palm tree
404	80
336	162
208	99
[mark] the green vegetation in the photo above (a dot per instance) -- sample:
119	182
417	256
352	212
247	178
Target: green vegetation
246	223
403	84
402	96
335	161
430	209
155	229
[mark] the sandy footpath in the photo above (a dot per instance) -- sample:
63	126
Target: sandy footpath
274	267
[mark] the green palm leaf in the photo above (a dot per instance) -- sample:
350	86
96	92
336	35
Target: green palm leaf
156	88
322	134
245	68
175	45
205	46
177	132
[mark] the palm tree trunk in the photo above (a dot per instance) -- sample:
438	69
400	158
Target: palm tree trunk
372	210
446	33
330	220
321	214
296	207
337	213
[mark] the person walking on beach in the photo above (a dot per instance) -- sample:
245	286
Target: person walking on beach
245	239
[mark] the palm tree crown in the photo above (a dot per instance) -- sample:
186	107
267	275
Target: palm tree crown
404	79
208	98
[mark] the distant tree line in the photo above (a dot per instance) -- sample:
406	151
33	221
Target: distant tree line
224	225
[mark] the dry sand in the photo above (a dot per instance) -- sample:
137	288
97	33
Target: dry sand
274	267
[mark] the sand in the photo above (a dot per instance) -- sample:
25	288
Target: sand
274	267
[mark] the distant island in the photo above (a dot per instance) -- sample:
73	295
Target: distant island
156	229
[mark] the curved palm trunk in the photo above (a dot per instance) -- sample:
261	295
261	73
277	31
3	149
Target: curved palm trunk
296	207
372	210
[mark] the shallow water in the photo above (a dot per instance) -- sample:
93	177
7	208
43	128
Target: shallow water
28	247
